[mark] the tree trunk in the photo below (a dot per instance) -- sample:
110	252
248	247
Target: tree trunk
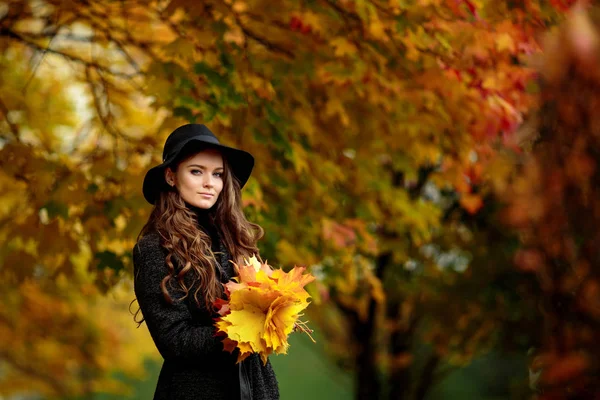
427	377
400	341
367	377
368	384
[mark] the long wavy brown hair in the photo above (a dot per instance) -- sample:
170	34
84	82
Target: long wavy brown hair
190	247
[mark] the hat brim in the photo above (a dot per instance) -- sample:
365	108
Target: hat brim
240	163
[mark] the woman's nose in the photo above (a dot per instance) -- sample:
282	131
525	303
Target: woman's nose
207	182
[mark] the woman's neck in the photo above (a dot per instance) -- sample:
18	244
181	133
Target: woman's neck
205	223
203	215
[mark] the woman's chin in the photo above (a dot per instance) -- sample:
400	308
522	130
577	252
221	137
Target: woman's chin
202	203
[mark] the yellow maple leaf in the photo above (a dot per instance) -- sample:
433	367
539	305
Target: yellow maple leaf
247	326
505	42
253	261
342	47
248	271
293	281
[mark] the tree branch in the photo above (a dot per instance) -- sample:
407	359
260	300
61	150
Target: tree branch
104	114
257	38
13	127
269	45
32	44
107	33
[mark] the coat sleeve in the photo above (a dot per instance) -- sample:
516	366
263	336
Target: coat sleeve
171	326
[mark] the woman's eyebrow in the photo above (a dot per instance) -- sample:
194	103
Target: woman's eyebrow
201	166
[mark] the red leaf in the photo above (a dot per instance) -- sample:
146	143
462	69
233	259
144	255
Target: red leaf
295	23
471	7
565	369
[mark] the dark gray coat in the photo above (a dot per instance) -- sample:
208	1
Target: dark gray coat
195	365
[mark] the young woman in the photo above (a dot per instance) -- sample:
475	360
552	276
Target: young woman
181	259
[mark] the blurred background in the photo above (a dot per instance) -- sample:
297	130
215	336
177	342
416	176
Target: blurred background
433	163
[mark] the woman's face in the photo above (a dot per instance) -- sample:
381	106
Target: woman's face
199	179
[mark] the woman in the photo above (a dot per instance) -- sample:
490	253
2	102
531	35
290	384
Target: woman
181	259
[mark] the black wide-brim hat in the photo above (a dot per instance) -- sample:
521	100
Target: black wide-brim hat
240	162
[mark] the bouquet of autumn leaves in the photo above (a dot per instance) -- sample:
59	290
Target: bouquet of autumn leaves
262	308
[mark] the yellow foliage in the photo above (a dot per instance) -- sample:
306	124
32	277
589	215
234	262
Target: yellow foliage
343	47
505	42
67	330
12	193
327	97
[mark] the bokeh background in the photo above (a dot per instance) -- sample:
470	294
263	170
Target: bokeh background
432	162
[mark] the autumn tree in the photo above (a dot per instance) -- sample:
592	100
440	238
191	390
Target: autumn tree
63	229
370	121
552	201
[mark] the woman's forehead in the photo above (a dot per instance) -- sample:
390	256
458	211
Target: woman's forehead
206	158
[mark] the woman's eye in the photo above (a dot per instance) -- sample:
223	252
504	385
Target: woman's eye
218	174
196	172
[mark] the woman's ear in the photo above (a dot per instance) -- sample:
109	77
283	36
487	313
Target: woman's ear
169	177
